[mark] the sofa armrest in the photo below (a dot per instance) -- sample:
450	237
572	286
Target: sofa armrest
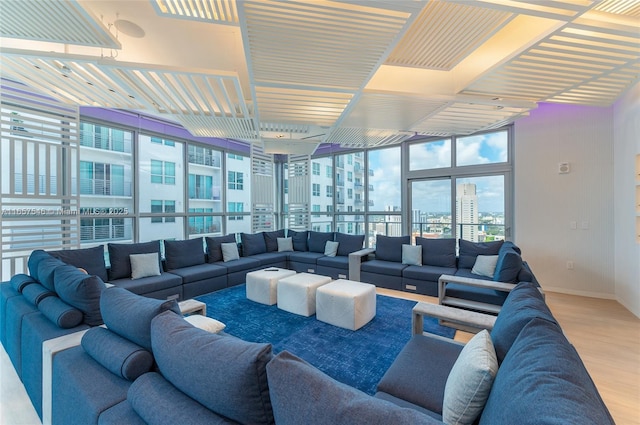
355	259
480	283
50	348
465	320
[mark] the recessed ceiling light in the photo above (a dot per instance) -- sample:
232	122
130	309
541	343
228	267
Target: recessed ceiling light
129	28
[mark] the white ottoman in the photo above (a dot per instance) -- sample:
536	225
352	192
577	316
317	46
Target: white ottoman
297	293
346	303
261	284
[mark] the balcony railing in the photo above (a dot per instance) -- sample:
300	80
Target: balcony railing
104	187
340	183
204	159
475	232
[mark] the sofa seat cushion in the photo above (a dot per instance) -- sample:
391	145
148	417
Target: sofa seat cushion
157	401
302	394
90	259
121	413
389	268
145	285
119	257
403	403
337	262
474	293
225	374
271	257
419	373
428	273
186	253
239	265
470	274
543	381
306	257
199	272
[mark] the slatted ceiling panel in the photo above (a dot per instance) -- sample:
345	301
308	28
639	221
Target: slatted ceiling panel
208	126
319	44
362	137
214	11
446	33
550	9
629	8
57	21
300	106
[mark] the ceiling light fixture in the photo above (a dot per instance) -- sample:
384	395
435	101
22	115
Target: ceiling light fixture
129	28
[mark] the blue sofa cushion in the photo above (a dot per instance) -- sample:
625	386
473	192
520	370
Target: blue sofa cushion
36	293
80	291
199	272
119	256
117	354
523	304
214	246
33	261
60	313
426	273
318	240
271	239
438	252
305	257
223	373
90	259
253	244
19	281
271	258
46	269
121	413
239	265
186	253
301	394
349	243
157	401
166	283
129	315
543	381
508	266
335	262
389	268
389	248
300	240
470	250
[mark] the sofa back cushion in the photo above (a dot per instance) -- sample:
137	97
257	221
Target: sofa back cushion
187	253
318	240
36	293
348	243
60	313
46	268
523	304
223	373
438	252
301	394
20	280
300	240
508	266
214	246
81	291
129	315
271	239
119	257
253	244
543	381
34	260
470	250
389	248
90	259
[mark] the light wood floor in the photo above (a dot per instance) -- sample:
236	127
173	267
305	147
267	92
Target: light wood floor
606	335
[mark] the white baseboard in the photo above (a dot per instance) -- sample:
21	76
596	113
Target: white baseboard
589	294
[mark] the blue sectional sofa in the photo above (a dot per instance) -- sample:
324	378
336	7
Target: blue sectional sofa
536	376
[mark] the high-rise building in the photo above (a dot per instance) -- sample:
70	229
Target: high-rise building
467	211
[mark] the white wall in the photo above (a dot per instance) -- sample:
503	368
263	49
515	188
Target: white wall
548	203
626	119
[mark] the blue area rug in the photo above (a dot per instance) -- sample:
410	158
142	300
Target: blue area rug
356	358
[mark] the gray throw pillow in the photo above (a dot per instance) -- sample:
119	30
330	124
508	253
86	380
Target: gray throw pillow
229	251
412	255
485	265
331	248
285	244
144	265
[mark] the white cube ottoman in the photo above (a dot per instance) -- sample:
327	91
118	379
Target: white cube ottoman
262	284
346	303
297	293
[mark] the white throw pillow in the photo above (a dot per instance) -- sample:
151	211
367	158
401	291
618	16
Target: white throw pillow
144	265
206	323
485	265
469	382
331	248
229	251
412	254
285	244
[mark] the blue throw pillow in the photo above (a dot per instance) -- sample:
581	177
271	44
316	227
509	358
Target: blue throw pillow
318	240
90	259
271	239
301	394
34	259
36	293
119	257
116	354
129	315
523	304
349	243
80	291
60	313
389	248
438	252
20	280
214	246
187	253
223	373
470	250
543	381
46	269
508	266
299	239
252	244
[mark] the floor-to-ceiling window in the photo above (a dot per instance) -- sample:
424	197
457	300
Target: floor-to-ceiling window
384	192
